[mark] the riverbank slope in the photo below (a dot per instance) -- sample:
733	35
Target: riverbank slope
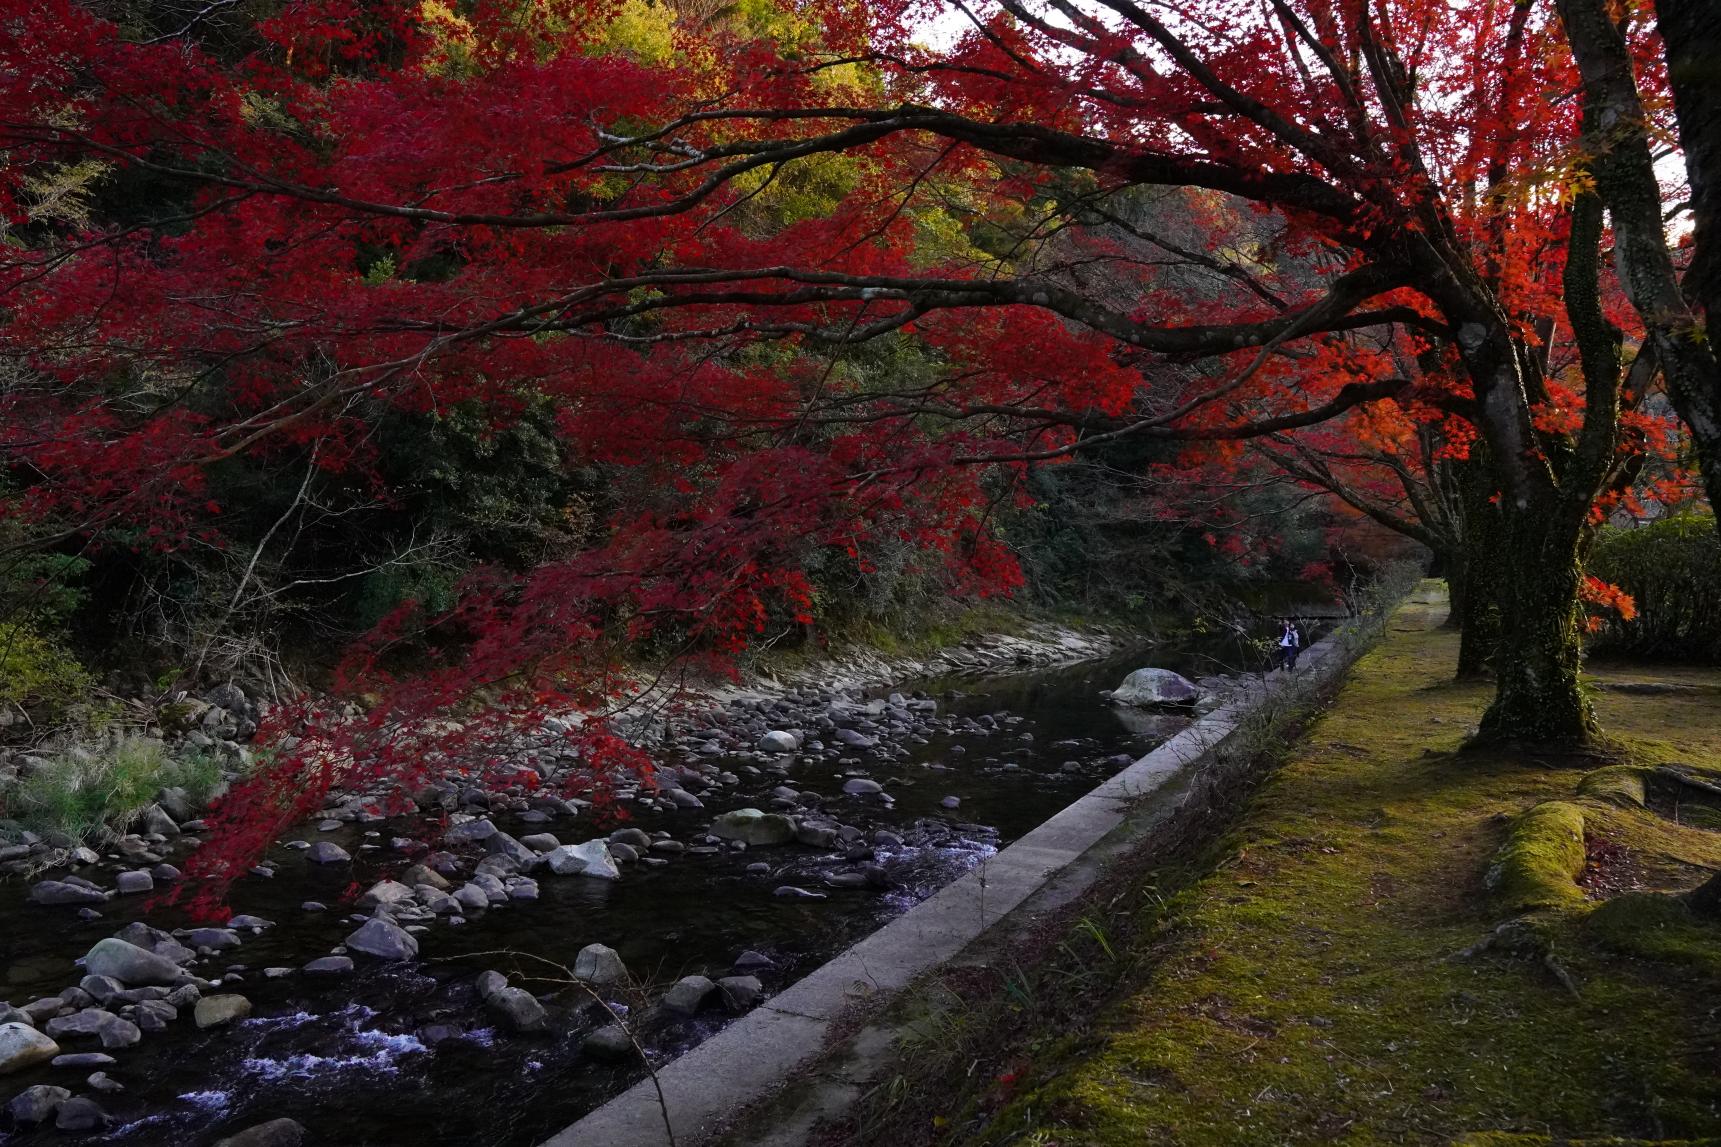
1312	976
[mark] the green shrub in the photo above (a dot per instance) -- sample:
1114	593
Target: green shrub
1672	570
82	788
38	674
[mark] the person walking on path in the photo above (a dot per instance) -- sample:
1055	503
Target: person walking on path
1290	645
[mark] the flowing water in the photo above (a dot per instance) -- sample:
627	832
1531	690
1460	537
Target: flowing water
352	1059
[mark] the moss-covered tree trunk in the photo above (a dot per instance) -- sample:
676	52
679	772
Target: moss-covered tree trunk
1478	610
1538	697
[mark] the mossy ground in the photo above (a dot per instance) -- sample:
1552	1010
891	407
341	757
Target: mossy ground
1309	988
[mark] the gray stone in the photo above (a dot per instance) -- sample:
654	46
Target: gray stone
541	842
634	837
777	741
327	852
131	964
22	1046
156	820
36	1104
88	1021
472	898
681	798
275	1133
384	893
609	1044
100	1081
101	988
218	1011
54	893
688	994
214	939
133	882
1156	687
489	983
424	874
740	992
329	966
470	832
518	1008
816	835
753	827
861	786
80	1115
85	1059
589	859
383	940
598	964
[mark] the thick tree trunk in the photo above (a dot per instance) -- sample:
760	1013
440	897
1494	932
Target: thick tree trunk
1479	610
1538	698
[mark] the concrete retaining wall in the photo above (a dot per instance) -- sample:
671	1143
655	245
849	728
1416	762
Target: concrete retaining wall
755	1056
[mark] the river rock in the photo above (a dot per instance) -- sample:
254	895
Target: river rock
329	966
777	741
88	1021
789	891
214	939
1156	687
275	1133
383	940
609	1044
688	994
861	786
589	859
85	1059
22	1046
384	893
816	835
472	898
100	1081
518	1008
327	852
740	992
155	940
156	820
54	893
101	988
424	874
855	739
470	832
598	964
36	1104
80	1115
218	1011
541	842
135	881
501	844
754	827
131	964
633	837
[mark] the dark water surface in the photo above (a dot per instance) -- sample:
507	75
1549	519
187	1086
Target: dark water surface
344	1057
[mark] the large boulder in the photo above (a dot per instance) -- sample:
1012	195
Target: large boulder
754	827
55	893
518	1008
589	859
22	1046
36	1104
218	1011
383	940
1156	687
598	964
130	964
688	995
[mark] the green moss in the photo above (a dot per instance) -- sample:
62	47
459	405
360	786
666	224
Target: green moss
1308	988
1540	862
1615	784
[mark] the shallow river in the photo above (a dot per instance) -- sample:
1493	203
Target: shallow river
350	1059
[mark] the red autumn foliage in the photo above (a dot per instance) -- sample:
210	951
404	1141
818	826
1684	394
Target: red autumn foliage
370	206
